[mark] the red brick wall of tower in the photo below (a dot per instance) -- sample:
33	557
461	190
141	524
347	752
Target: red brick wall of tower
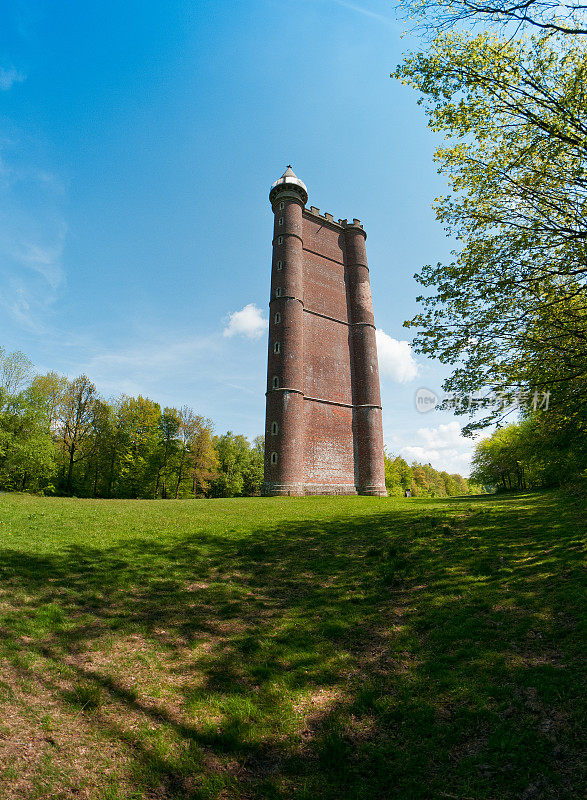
323	423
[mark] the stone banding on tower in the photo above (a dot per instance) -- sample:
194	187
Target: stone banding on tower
323	431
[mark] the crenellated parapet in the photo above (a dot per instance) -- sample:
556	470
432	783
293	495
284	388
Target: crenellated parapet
341	224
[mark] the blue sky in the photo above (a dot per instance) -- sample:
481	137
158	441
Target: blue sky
138	141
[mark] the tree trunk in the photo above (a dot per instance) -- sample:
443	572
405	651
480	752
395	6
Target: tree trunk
70	469
162	467
111	474
179	475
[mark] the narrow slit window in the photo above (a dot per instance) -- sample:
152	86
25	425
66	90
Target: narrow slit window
280	221
277	347
281	206
277	318
280	240
280	265
278	292
274	457
275	382
274	428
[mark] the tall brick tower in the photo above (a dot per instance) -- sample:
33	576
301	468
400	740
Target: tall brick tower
323	432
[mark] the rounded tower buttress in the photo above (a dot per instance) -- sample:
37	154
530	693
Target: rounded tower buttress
366	393
284	428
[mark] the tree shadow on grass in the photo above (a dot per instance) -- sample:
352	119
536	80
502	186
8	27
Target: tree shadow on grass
423	653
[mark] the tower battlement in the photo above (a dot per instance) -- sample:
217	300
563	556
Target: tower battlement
342	223
323	430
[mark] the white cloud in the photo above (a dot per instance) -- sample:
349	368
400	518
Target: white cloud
10	76
395	358
449	460
448	435
444	447
249	322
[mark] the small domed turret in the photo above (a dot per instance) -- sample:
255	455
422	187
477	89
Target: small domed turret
290	183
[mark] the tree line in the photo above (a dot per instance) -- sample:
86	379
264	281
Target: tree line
60	436
530	454
422	480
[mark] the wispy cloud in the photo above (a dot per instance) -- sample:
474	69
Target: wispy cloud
249	322
9	76
31	269
150	361
44	255
366	12
173	368
32	238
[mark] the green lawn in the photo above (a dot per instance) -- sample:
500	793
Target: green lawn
291	648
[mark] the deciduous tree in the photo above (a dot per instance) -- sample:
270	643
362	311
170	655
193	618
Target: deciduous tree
546	15
74	425
509	311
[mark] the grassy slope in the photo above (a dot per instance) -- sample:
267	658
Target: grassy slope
314	648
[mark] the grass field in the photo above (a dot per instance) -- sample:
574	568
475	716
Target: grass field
312	648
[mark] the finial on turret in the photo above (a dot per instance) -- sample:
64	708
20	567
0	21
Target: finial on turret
289	182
